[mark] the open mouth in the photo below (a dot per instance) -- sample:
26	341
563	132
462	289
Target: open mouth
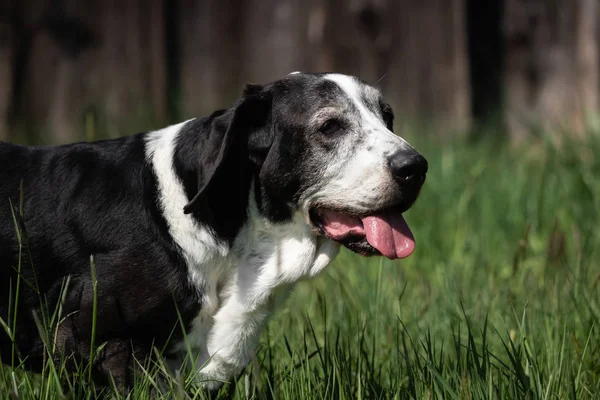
382	232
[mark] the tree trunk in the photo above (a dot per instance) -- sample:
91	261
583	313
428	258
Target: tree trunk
428	79
551	65
6	57
274	39
109	64
209	33
350	37
228	43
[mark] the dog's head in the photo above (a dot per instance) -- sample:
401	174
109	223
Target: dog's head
320	145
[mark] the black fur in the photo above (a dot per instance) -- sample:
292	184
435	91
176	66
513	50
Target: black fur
81	200
232	153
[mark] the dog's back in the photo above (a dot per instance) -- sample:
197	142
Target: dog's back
74	201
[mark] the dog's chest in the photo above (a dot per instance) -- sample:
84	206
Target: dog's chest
255	274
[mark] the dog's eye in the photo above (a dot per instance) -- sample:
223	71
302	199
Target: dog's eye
388	118
330	127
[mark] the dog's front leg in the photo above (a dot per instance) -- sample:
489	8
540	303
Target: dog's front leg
232	340
262	279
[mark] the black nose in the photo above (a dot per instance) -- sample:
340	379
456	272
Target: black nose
408	167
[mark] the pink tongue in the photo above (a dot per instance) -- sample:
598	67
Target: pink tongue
385	231
389	233
339	225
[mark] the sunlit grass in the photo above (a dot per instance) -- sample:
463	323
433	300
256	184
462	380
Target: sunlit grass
500	300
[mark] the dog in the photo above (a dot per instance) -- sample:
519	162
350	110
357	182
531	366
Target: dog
196	228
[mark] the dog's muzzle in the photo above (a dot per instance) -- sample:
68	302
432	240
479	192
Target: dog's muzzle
383	231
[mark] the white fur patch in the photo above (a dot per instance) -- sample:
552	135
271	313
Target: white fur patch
204	254
371	121
198	244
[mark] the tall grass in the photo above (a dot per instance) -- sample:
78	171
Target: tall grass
500	300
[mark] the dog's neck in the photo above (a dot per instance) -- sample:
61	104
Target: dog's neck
291	245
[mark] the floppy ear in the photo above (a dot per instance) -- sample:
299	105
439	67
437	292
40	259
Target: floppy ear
247	129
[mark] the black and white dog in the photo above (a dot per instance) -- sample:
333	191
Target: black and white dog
200	224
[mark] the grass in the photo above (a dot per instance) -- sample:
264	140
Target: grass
500	300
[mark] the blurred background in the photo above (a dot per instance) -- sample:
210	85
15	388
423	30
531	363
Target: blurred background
507	235
504	67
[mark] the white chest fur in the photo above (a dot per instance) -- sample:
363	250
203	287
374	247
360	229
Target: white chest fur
236	285
265	259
